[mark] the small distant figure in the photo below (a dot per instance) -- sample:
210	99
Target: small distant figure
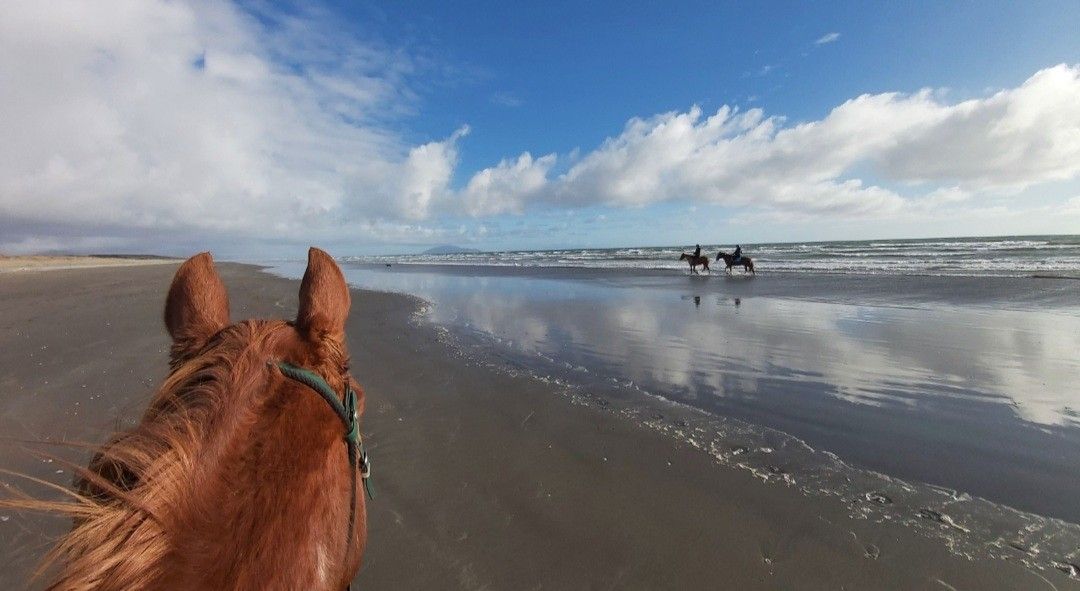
387	264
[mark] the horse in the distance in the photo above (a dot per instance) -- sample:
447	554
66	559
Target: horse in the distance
237	476
729	260
694	261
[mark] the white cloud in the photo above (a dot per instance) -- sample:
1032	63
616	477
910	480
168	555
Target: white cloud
944	196
827	38
177	118
426	176
169	123
508	186
1005	142
506	99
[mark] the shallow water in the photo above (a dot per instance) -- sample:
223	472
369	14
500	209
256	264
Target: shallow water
968	397
991	256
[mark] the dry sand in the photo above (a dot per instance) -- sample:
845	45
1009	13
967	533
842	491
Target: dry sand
484	480
9	264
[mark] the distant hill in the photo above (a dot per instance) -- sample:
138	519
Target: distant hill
450	249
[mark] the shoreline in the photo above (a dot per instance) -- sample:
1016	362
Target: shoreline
1028	292
484	477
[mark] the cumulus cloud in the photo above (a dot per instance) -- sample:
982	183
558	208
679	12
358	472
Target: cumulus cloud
508	186
182	118
1009	141
156	123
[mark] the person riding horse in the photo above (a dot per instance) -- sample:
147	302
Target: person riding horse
695	260
736	258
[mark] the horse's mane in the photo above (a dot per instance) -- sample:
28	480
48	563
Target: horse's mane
143	487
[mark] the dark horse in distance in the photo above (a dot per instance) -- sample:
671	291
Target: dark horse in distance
729	260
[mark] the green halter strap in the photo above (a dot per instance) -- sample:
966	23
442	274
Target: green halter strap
346	412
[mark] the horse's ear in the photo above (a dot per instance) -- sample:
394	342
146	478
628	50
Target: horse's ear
324	298
197	306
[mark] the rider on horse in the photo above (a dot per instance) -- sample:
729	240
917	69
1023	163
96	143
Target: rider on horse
697	252
737	257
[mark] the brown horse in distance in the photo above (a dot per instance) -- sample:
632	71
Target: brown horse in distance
694	261
236	477
729	260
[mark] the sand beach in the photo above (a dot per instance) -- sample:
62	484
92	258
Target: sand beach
12	264
742	296
486	477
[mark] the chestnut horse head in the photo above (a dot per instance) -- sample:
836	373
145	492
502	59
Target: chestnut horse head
236	477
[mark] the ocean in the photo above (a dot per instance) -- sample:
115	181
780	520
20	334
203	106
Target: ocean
931	382
1009	256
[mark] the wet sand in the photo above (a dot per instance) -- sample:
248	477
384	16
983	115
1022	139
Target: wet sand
484	479
964	383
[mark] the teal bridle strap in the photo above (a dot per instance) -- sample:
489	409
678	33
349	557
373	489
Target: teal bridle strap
346	412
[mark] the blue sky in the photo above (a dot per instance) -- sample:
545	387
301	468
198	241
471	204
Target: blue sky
580	72
254	128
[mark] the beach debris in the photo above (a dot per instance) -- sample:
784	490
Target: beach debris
941	518
682	423
738	450
4	518
1068	568
878	497
871	551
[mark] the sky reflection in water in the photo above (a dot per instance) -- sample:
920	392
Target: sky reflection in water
972	398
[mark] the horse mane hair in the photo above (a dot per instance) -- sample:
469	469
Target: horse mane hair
142	488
